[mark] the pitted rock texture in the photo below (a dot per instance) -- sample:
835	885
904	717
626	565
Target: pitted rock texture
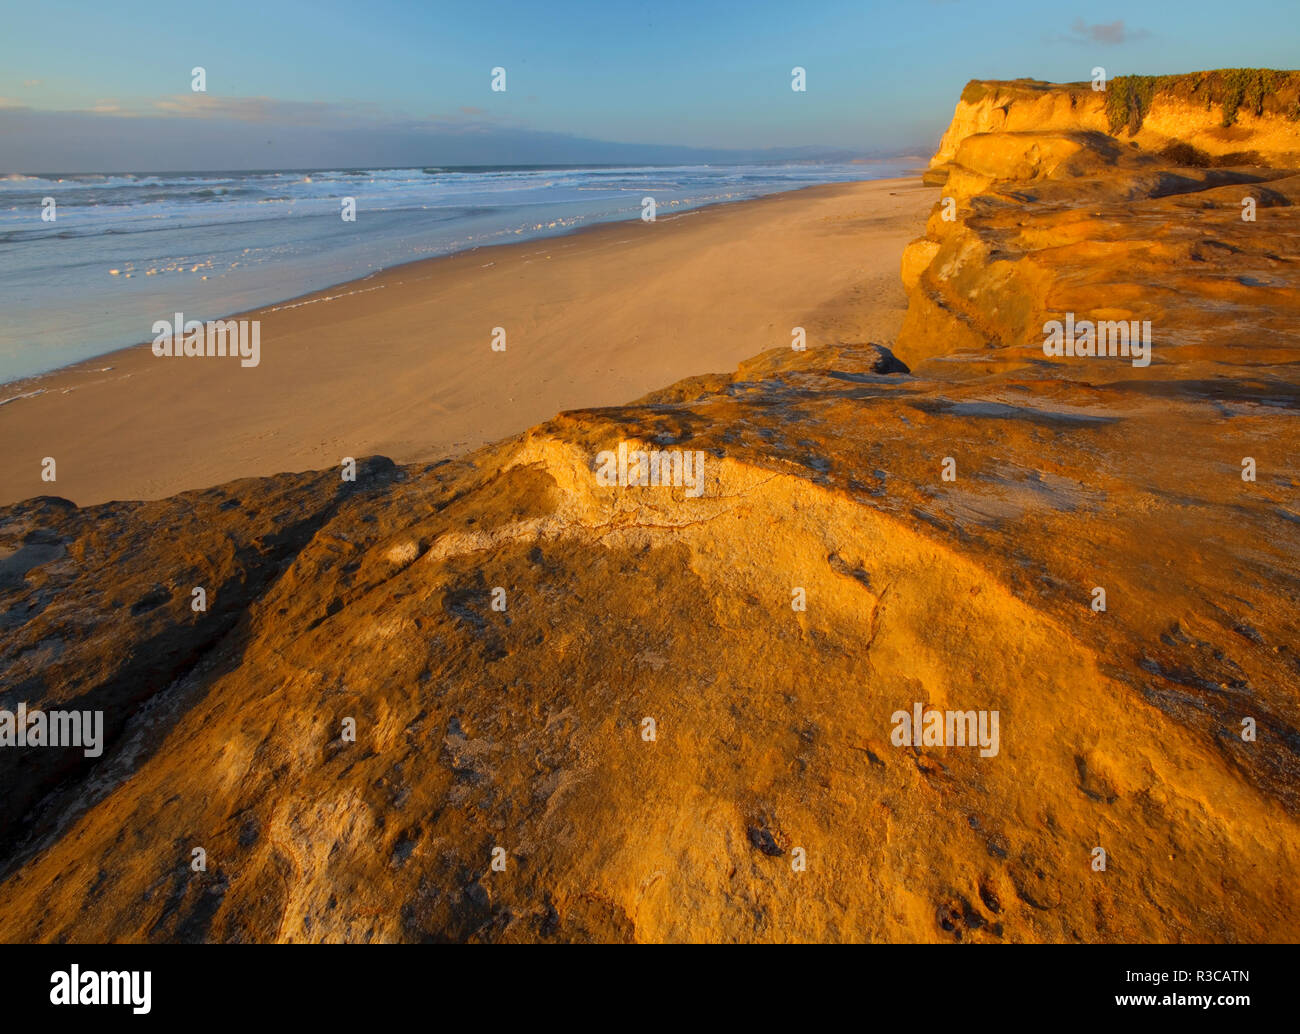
519	734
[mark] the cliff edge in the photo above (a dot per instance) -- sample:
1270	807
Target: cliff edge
530	695
1241	114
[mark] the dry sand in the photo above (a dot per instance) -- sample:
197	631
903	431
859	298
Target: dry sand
400	363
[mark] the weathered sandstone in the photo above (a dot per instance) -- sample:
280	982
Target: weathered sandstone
523	729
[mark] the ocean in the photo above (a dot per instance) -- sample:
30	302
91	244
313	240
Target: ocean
127	249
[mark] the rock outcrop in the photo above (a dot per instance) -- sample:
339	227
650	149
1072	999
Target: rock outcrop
585	711
1237	113
1042	223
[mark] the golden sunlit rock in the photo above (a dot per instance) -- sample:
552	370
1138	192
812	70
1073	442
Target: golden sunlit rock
700	708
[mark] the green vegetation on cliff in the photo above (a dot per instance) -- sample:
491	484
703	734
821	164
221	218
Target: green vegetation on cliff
1129	98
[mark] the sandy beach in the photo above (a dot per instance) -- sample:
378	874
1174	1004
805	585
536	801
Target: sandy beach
400	363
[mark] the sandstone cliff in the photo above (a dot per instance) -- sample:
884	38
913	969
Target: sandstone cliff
1221	113
518	734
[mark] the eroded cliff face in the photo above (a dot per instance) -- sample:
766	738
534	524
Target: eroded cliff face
1232	111
873	531
1038	224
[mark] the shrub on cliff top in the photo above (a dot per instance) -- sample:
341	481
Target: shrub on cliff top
1249	86
1129	98
1184	154
1012	89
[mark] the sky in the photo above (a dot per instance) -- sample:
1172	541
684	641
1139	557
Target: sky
94	86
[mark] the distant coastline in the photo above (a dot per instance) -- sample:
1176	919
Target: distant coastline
127	249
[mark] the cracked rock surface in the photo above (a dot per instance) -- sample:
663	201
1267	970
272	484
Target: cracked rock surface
517	732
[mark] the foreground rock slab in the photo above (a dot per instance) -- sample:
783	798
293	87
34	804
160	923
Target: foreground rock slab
595	711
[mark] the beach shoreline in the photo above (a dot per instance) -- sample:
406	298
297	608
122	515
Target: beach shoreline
619	309
210	245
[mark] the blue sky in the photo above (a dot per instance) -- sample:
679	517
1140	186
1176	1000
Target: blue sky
101	83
